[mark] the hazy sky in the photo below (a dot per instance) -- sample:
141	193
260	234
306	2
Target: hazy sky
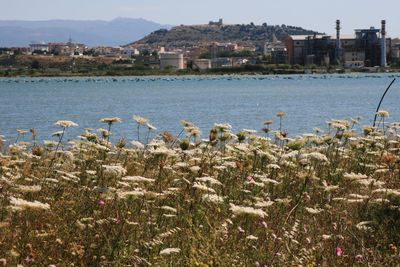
317	15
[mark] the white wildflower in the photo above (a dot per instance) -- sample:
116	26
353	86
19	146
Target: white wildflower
168	208
290	155
66	124
213	198
163	151
369	182
318	157
387	191
137	145
252	237
58	133
137	179
263	204
127	194
21	204
169	215
140	120
358	196
363	226
169	251
210	180
114	170
150	126
356	200
268	180
110	120
329	188
195	169
326	237
273	166
313	211
27	189
354	176
222	126
383	113
241	210
249	131
203	187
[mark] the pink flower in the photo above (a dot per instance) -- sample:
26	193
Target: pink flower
339	252
101	202
250	178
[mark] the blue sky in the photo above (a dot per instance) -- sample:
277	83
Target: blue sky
311	14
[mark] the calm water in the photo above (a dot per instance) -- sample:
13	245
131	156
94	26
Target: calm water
243	101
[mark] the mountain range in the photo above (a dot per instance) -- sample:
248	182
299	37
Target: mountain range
120	31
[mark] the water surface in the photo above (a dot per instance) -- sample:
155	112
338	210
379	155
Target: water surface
243	101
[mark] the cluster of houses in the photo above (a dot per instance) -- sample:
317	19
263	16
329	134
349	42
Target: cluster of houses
365	48
77	49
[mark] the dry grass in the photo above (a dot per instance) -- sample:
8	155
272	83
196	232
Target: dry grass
232	200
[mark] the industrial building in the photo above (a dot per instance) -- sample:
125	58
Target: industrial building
396	54
310	49
276	52
366	48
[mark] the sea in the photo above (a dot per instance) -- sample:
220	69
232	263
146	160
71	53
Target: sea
245	102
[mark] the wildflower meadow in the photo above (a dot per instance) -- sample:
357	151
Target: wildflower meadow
224	198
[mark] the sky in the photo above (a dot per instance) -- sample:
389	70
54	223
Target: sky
319	15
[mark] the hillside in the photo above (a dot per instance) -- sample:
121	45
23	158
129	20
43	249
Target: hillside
182	36
97	32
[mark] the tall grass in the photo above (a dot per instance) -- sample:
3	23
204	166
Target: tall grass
326	199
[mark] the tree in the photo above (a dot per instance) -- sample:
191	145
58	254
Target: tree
35	65
205	55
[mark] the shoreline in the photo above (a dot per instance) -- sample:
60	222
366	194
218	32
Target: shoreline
211	72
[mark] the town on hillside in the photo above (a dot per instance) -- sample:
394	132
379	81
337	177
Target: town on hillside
369	49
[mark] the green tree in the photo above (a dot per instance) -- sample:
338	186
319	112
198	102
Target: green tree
35	65
205	55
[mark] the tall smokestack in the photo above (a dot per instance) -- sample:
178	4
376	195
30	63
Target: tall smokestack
338	51
383	43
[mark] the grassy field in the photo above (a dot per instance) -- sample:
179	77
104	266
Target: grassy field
234	199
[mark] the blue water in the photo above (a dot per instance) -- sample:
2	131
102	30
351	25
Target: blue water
243	101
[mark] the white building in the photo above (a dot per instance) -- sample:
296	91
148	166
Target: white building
128	52
42	47
171	60
201	64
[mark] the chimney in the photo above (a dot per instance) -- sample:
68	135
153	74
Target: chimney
338	43
383	43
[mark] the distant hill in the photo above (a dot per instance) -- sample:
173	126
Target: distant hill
119	31
181	36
